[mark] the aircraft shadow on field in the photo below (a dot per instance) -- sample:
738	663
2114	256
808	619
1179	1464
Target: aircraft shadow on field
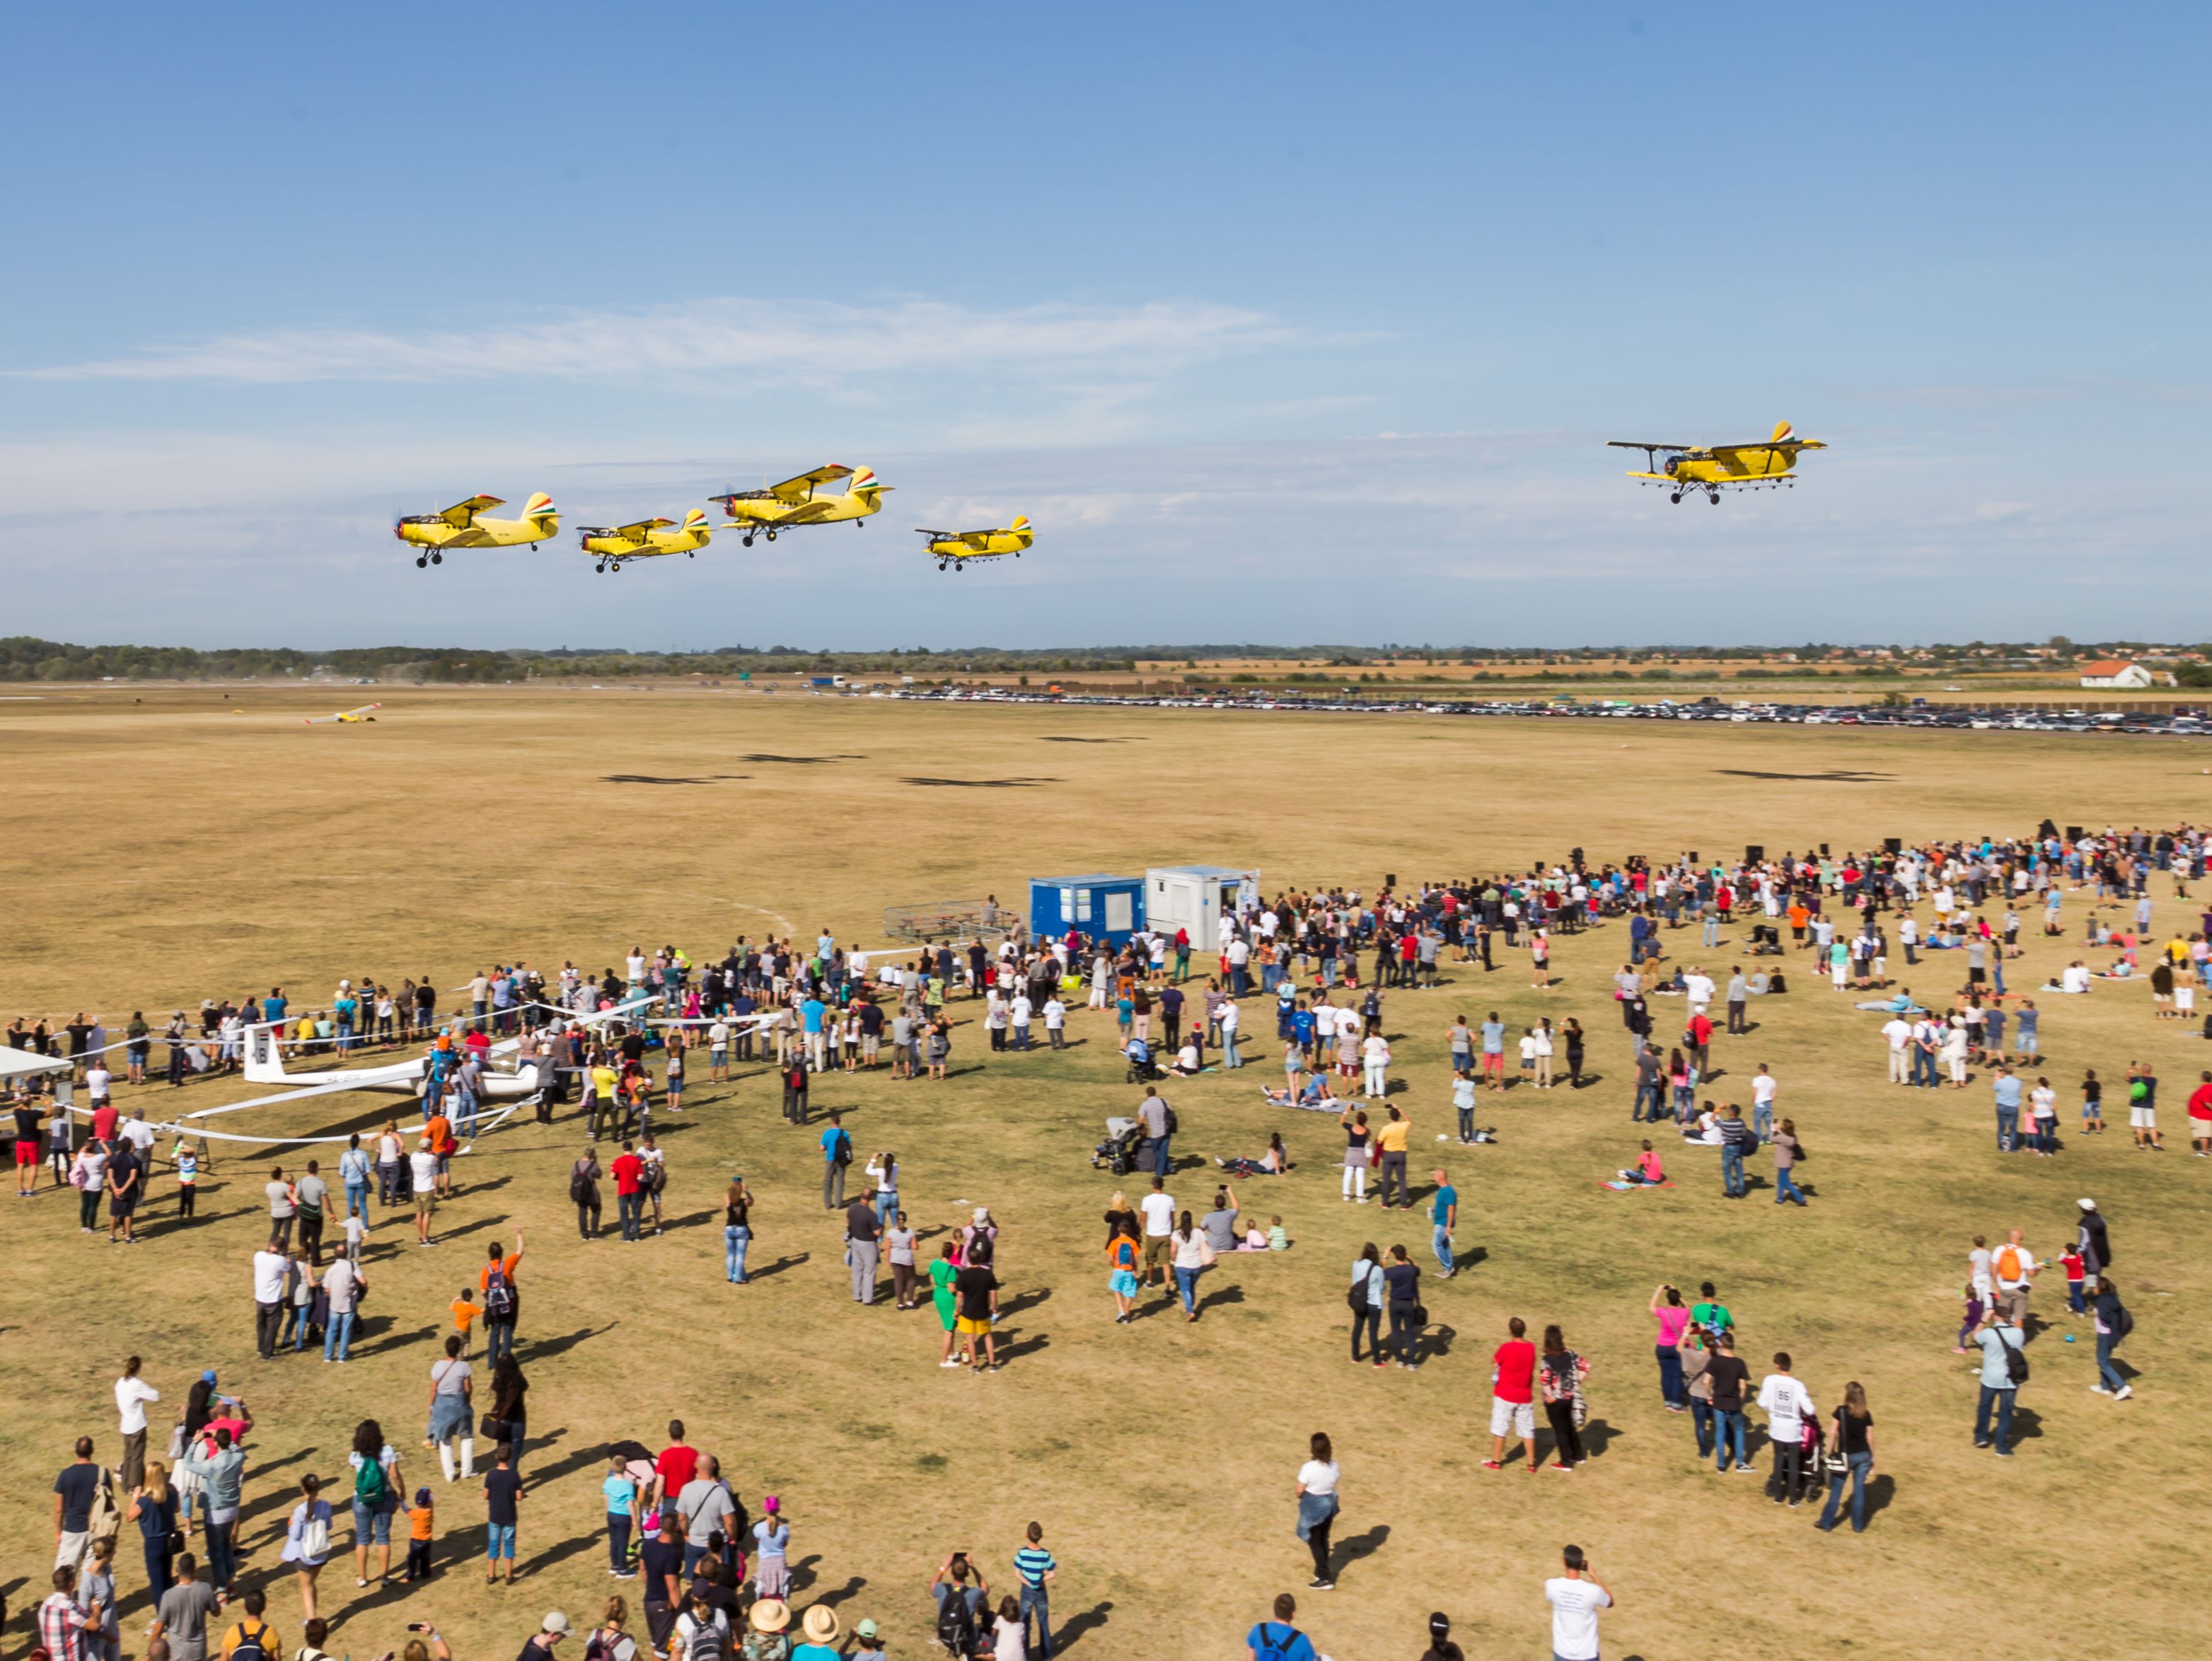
777	1266
1073	1630
1355	1547
853	1588
540	1349
561	1552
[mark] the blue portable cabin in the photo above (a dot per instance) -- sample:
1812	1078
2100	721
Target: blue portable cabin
1102	906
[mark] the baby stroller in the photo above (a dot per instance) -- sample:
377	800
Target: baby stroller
1118	1153
1141	1070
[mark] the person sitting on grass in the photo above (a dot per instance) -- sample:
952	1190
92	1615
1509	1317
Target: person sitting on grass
1273	1162
1313	1095
1646	1173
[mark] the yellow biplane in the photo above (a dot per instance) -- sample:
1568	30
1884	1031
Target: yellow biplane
799	501
648	538
1713	468
956	548
348	716
463	525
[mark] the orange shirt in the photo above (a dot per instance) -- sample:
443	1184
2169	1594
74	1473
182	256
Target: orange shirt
506	1263
464	1313
419	1519
440	1129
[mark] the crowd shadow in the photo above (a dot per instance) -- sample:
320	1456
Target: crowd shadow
1024	1300
777	1266
379	1339
560	1553
1597	1436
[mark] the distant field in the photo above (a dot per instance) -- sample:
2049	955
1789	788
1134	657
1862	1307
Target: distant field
164	848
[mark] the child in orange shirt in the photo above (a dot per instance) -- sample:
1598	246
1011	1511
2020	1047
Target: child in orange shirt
422	1519
465	1314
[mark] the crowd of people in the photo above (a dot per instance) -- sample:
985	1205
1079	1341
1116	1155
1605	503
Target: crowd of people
715	1582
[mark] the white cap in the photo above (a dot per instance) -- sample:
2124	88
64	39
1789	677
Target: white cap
555	1622
2087	1205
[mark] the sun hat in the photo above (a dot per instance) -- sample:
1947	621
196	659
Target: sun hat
771	1614
821	1624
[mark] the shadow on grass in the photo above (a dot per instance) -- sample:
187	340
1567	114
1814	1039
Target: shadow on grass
1221	1295
1357	1548
829	1600
539	1349
1073	1630
777	1266
1023	1300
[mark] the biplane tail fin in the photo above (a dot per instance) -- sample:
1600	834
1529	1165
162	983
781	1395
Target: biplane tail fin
1781	430
540	506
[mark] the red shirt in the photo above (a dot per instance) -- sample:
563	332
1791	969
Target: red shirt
628	1171
1515	1362
1701	1029
103	1123
677	1465
478	1042
2200	1102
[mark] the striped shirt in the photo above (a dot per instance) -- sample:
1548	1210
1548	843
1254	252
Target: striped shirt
1033	1563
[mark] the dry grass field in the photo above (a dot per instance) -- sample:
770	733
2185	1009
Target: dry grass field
182	846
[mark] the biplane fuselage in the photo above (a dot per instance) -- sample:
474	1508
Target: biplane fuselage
806	499
647	540
464	526
1716	467
950	546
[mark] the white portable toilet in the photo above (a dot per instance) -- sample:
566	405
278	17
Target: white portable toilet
1193	897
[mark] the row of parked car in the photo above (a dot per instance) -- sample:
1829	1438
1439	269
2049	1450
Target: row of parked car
1919	713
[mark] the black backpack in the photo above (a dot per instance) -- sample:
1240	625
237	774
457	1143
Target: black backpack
956	1624
252	1646
2016	1361
499	1294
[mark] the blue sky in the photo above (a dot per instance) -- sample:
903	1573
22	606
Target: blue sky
1283	324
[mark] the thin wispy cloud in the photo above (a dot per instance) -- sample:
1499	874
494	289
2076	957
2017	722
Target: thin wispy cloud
793	339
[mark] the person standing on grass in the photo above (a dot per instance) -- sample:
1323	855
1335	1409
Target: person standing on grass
1729	1378
1673	1319
1444	1220
181	1615
308	1541
1787	1150
1576	1598
1036	1569
1563	1373
978	1290
1788	1405
1854	1445
2113	1324
2000	1341
1512	1396
502	1491
1318	1482
131	1395
376	1490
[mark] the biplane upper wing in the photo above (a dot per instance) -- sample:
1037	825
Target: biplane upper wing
636	532
1791	445
461	514
798	489
1642	444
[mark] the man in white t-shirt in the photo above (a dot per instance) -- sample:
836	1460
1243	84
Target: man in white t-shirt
269	1266
1787	1405
1159	1207
1698	986
1763	1088
1576	1597
1897	1032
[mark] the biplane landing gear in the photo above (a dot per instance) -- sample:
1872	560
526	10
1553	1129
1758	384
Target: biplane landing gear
1714	497
1674	496
601	568
940	564
749	542
421	561
437	559
771	535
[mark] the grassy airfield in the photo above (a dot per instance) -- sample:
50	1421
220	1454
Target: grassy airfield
184	845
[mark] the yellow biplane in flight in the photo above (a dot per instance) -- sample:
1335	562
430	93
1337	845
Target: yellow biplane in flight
648	538
1713	468
463	525
348	716
956	548
799	501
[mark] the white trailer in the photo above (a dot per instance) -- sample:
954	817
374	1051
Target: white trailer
1194	897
